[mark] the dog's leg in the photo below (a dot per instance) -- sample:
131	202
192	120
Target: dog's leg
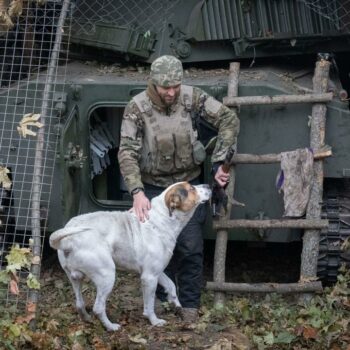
76	279
149	285
170	289
104	282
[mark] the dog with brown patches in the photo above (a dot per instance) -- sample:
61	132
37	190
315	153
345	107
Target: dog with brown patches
94	244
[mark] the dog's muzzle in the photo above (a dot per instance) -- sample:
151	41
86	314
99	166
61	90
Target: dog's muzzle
204	192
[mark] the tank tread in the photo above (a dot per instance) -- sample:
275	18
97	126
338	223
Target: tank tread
331	256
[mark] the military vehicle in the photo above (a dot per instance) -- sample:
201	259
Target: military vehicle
277	43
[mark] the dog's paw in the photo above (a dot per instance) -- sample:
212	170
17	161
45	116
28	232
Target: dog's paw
84	315
113	327
87	318
159	322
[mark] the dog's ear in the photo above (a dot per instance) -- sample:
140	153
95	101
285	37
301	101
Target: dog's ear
174	198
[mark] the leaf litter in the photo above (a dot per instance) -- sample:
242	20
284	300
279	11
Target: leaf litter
245	322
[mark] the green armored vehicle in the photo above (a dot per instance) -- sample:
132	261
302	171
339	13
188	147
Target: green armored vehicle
277	43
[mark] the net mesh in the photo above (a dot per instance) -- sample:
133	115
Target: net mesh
28	139
142	14
152	15
336	11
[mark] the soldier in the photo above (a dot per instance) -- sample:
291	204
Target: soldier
159	146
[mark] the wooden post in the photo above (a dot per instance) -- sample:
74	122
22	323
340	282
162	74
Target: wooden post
33	295
317	137
222	235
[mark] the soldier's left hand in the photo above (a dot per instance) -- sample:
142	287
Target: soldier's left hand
221	177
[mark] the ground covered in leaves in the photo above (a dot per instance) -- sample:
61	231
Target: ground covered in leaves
245	322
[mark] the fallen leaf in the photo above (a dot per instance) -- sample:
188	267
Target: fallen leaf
32	282
25	319
310	333
138	339
29	119
52	325
222	344
14	287
15	9
31	307
234	338
77	346
186	338
99	344
5	181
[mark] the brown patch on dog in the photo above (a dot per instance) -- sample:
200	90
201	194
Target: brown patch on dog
182	197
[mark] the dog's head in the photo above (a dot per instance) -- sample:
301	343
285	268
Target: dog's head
186	197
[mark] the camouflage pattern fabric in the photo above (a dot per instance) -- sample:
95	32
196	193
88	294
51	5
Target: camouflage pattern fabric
220	116
295	179
166	71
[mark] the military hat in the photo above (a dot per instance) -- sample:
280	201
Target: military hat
166	71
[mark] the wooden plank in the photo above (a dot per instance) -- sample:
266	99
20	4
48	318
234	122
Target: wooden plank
277	99
315	286
282	223
244	158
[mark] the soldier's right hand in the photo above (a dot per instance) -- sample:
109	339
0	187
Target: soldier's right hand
141	206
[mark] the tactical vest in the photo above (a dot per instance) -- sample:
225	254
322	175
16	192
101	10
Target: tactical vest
170	147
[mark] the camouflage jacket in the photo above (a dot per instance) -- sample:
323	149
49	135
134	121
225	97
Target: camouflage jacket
132	141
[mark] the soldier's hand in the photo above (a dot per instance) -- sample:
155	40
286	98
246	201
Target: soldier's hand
221	177
141	206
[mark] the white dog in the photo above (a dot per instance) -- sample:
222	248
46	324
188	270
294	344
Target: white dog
94	244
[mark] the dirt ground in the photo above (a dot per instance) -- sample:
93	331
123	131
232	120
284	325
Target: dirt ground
247	321
125	306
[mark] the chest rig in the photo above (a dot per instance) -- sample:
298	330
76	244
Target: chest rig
169	141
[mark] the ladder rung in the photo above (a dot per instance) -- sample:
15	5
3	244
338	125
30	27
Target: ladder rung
313	286
245	158
281	223
277	99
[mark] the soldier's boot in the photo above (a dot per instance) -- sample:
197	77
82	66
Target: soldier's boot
188	314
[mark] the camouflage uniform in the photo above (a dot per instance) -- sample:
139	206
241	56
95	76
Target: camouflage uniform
139	167
159	147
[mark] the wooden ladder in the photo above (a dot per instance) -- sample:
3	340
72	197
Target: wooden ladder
312	224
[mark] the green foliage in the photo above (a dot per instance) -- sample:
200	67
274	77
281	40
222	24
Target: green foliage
13	335
4	277
18	259
280	322
269	322
32	282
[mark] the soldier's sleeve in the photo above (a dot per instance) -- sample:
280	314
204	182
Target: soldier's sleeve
223	118
130	146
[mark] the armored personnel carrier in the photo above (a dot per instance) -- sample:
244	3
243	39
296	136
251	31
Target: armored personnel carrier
277	43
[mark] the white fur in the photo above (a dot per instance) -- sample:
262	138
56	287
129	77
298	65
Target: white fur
94	244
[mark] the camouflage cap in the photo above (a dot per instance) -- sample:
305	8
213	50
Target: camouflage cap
166	71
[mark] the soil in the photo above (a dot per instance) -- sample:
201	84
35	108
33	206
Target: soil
125	305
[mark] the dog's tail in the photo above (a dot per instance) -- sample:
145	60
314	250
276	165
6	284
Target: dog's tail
57	236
